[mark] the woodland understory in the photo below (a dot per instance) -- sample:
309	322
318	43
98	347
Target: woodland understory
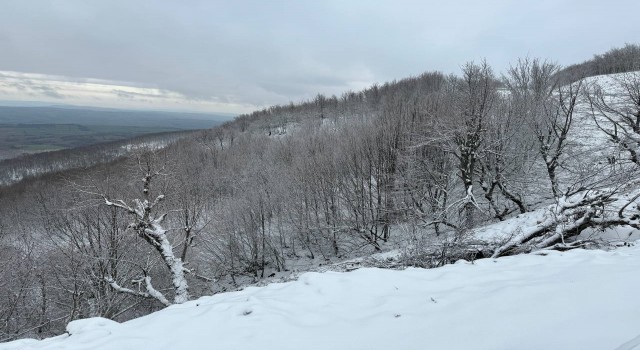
418	165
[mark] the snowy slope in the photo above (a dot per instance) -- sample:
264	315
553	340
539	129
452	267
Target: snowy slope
588	158
593	142
550	300
514	228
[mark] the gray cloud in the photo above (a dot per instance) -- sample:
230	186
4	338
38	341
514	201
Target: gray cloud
29	88
48	91
257	53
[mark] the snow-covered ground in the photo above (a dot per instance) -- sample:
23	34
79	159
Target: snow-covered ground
549	300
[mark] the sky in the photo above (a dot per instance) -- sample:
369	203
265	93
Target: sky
239	56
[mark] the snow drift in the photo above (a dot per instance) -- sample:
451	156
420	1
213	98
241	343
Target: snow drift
579	299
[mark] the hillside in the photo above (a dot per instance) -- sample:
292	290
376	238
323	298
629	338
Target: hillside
548	300
439	168
83	155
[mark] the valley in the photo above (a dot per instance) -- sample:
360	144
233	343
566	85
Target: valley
19	139
28	130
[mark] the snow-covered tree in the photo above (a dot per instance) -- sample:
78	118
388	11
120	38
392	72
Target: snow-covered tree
147	223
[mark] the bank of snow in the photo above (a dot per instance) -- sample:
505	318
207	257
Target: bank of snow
548	300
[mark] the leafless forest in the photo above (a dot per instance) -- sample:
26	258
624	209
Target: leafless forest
418	163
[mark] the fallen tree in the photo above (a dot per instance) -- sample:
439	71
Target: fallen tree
569	217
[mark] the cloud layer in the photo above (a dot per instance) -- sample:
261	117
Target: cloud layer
16	86
238	55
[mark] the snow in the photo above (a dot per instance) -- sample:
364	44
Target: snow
512	232
592	140
580	299
93	325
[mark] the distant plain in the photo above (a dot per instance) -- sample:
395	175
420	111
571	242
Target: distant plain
27	130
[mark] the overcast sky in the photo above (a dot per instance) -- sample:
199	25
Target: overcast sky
236	56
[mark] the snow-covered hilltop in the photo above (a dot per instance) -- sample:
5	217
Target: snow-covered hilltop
580	299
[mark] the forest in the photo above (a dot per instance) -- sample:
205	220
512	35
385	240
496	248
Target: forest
421	164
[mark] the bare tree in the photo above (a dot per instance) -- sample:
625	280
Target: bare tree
475	96
552	131
504	160
616	111
531	84
148	224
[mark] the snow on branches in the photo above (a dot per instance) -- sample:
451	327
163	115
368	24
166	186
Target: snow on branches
147	224
569	217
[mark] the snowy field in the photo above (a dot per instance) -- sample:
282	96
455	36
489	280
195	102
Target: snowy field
549	300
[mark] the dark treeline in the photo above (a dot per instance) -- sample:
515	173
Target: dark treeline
418	163
616	60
